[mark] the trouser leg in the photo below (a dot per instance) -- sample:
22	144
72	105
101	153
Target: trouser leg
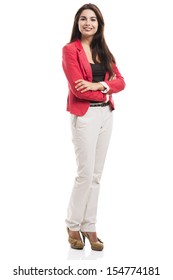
90	215
91	135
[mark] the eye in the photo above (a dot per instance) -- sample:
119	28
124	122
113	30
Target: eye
82	18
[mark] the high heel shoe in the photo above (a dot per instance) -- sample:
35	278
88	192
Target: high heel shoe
96	246
75	243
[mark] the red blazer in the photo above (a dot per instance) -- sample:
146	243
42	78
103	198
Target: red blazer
76	66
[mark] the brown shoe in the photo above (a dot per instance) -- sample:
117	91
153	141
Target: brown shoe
75	243
95	245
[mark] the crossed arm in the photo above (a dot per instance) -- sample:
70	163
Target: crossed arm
84	89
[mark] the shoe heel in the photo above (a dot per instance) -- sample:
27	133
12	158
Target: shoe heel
96	246
83	237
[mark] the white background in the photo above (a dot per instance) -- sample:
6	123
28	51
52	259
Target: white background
37	157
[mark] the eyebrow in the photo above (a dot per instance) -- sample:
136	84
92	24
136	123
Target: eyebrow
86	17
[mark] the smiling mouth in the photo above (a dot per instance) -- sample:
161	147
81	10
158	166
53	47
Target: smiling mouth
87	29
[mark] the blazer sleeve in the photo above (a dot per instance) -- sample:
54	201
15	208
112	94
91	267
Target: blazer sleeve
117	84
73	73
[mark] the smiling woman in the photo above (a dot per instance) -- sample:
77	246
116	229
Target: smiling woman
88	26
92	77
88	23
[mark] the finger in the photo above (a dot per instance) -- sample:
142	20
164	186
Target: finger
80	88
78	81
79	85
86	89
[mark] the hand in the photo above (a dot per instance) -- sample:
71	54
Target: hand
82	85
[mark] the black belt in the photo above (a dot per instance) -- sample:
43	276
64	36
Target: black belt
103	104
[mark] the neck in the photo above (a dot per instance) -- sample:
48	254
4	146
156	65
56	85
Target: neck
86	41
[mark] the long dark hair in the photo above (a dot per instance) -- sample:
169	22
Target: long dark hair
98	45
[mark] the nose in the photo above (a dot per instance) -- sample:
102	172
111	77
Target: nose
87	22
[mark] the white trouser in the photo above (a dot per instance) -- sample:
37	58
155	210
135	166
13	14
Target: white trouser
90	135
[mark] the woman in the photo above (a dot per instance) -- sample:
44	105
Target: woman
92	76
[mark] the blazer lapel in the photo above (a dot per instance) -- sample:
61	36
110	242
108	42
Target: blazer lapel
83	61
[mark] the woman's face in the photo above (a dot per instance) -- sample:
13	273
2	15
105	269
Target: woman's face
88	23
